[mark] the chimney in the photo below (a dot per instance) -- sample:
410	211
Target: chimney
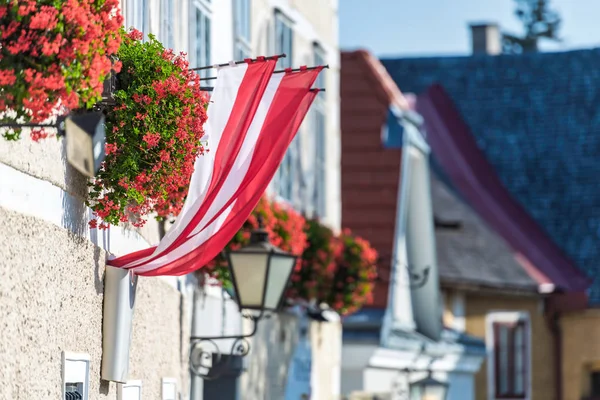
486	39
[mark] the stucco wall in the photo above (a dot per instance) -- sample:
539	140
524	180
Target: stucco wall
580	352
478	305
51	296
269	360
273	347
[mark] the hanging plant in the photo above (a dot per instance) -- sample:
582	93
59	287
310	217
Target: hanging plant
339	271
284	225
54	53
314	278
153	135
354	276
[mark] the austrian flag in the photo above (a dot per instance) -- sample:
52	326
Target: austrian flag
253	116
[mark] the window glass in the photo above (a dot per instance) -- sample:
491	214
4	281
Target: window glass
510	352
166	29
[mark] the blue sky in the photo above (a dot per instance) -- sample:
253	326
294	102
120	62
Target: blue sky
440	27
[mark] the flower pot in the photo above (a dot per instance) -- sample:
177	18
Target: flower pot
119	299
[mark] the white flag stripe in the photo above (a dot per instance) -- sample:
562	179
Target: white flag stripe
202	233
242	162
189	245
224	94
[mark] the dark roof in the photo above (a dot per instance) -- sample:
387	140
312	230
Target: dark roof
535	118
472	253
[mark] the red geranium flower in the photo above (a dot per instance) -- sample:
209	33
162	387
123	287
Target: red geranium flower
65	48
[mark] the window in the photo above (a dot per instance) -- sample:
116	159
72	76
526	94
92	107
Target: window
76	375
320	187
320	127
284	36
169	389
166	28
131	390
594	385
200	43
137	15
241	16
510	357
287	172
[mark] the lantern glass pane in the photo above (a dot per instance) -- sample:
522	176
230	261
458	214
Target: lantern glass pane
249	270
279	273
434	392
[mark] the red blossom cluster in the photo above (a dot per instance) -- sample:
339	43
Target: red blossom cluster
54	53
355	275
284	225
154	134
338	270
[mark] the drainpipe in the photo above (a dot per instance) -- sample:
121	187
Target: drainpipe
553	319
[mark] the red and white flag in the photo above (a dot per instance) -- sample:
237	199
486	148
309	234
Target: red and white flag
253	116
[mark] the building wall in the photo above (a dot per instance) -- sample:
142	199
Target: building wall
326	341
370	173
272	351
580	352
51	293
479	305
314	21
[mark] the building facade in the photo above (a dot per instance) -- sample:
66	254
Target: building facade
499	127
387	199
51	295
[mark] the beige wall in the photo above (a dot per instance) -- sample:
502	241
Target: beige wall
313	21
272	351
478	305
51	301
580	351
51	291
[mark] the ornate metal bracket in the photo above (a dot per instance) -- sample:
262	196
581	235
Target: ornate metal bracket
205	354
418	279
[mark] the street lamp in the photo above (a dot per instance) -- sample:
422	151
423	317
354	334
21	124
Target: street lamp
428	389
260	273
85	137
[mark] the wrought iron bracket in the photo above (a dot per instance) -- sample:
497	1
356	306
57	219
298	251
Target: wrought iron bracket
201	346
418	279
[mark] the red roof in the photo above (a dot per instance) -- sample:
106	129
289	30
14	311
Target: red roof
370	173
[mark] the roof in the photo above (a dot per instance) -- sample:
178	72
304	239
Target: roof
472	253
367	92
519	137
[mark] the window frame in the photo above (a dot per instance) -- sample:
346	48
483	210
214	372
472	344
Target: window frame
291	158
165	383
167	33
124	394
281	21
204	7
137	13
242	29
76	368
511	320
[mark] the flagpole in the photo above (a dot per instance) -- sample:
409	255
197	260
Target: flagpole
281	71
211	88
239	62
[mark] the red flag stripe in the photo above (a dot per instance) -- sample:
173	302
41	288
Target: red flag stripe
247	100
278	131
